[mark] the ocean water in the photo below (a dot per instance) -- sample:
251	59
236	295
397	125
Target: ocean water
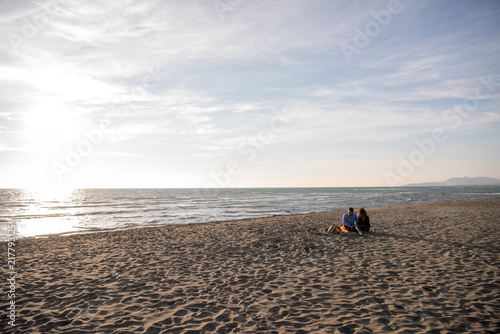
36	214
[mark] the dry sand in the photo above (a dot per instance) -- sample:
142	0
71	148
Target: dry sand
426	268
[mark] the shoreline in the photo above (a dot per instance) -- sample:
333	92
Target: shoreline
429	266
94	210
111	230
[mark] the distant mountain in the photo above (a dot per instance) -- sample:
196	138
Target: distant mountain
459	181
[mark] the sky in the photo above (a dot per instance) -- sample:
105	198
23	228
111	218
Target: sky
233	93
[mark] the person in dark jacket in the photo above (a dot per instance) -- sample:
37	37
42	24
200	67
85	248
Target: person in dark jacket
363	225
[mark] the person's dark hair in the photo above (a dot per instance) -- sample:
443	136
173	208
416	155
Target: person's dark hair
351	209
362	212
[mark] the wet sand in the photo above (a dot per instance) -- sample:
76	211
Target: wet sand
425	268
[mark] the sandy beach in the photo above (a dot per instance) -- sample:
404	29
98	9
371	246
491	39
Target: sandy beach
425	268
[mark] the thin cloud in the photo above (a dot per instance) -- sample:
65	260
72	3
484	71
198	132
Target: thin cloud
183	78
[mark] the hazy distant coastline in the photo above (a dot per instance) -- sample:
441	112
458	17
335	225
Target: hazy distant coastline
459	181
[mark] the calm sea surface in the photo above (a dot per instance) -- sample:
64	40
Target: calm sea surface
90	210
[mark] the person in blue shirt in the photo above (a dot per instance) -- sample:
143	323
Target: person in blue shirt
349	221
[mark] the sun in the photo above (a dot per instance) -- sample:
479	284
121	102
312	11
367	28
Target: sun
50	127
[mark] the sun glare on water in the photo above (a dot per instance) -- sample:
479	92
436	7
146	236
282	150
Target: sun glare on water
43	206
50	194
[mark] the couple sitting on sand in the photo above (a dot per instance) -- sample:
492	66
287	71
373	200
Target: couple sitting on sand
352	222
